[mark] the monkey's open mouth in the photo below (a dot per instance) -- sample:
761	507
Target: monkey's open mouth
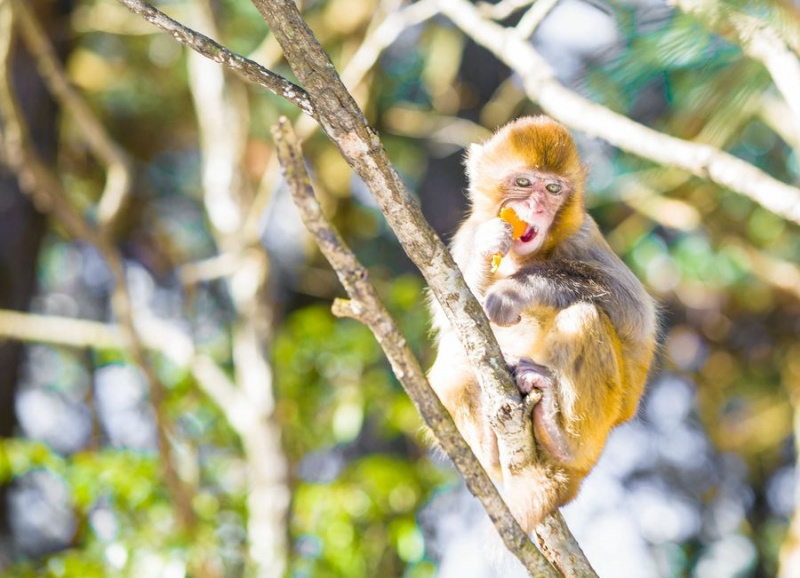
529	234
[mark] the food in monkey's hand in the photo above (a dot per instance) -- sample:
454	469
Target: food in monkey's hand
518	228
573	322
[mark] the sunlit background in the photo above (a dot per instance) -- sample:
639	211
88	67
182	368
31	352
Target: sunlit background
701	483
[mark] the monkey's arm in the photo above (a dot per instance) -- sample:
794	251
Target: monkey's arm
555	284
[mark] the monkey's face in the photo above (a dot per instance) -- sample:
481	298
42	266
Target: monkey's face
537	198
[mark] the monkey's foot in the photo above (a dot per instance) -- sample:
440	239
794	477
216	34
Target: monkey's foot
532	376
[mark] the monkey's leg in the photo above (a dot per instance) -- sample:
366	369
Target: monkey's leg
583	398
455	384
532	377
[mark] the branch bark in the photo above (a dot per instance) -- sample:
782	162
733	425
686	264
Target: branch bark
366	307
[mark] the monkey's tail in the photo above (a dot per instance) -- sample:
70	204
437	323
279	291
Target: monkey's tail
535	492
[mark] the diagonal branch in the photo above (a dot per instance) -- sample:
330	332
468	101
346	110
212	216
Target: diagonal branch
365	306
581	114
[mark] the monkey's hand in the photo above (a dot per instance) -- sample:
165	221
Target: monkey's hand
537	380
504	303
492	237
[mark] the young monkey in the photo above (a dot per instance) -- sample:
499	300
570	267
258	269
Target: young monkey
572	321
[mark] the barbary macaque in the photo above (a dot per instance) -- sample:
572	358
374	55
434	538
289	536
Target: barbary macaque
573	322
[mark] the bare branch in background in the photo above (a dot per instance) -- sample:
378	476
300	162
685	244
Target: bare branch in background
221	111
366	307
533	17
42	184
595	120
382	36
504	8
773	111
779	273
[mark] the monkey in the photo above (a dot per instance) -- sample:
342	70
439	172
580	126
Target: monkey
574	324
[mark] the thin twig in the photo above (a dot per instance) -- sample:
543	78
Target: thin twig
119	173
533	17
365	305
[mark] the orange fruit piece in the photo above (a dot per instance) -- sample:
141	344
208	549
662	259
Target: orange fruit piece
518	227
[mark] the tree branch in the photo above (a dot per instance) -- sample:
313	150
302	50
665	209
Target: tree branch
365	306
155	335
578	113
533	17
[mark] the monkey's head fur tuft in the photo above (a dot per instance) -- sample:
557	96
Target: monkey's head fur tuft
537	144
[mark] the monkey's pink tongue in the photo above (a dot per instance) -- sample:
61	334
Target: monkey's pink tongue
529	234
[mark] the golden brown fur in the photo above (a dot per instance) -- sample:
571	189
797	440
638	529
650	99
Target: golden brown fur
570	317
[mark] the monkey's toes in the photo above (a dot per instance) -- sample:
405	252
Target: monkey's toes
531	376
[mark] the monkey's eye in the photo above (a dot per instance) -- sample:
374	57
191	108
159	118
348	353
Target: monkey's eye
554	188
523	182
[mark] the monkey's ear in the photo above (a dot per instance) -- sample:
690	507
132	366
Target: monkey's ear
472	158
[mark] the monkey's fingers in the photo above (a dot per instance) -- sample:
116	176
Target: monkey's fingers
518	228
529	401
496	258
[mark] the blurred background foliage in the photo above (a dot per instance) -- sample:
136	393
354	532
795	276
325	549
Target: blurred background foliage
700	484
